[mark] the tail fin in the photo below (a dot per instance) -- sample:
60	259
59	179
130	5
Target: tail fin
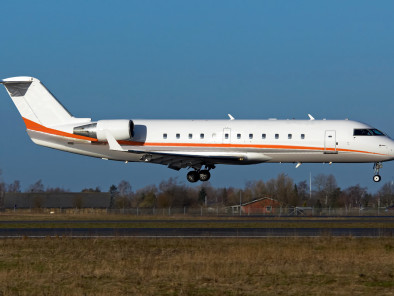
35	102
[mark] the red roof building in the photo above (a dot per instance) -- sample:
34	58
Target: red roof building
264	205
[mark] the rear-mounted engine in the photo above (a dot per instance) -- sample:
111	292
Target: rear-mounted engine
120	129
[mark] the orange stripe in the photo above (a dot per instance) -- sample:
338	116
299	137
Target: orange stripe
133	143
31	125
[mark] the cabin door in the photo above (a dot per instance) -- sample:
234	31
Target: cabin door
330	142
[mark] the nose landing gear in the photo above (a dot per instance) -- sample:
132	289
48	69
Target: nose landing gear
377	166
199	175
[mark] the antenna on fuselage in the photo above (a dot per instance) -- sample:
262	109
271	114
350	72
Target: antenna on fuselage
311	117
231	117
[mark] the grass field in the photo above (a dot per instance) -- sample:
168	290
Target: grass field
271	266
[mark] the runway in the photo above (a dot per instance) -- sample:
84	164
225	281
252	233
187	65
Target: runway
242	227
352	220
194	232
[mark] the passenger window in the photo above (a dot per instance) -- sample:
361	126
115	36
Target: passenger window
190	136
164	136
250	136
238	136
263	136
226	136
302	136
276	136
201	136
289	136
178	136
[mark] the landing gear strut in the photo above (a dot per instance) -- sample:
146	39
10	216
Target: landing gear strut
376	167
199	175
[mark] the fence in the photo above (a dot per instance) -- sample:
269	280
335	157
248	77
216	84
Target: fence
219	211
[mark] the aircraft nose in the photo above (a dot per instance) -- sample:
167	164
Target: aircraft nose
391	150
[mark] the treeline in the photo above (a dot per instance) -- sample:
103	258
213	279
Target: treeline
175	194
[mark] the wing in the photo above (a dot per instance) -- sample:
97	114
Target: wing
178	159
183	159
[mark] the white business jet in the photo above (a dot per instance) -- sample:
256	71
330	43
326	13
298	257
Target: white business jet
199	145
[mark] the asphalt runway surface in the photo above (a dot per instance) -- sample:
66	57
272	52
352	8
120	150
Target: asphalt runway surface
198	232
374	219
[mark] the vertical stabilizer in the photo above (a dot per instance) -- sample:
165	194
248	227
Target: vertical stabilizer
35	102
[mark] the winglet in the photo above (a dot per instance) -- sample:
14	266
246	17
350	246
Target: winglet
113	144
231	117
311	117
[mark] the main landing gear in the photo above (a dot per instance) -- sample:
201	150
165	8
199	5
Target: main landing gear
199	175
376	167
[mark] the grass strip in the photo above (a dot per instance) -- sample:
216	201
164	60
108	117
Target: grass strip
273	266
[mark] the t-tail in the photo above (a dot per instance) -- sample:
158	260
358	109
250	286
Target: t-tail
45	115
36	104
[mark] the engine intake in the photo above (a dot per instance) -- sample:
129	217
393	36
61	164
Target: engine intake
121	129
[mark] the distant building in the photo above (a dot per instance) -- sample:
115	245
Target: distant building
264	205
57	200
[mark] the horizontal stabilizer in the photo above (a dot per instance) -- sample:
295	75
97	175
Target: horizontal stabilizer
21	79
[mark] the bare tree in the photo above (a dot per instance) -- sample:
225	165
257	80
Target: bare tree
386	194
14	186
174	194
354	196
223	195
36	187
124	188
97	189
302	188
123	200
325	188
284	189
56	190
2	191
232	196
2	184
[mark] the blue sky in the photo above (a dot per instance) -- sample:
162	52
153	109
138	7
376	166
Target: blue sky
196	59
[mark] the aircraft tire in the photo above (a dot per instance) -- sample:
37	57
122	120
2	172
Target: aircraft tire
204	175
193	176
377	178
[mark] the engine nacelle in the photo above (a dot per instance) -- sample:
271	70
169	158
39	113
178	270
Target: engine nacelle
120	129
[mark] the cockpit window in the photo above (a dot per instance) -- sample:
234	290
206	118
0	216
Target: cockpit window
377	132
367	132
361	132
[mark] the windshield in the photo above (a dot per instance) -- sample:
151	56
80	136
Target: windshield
367	132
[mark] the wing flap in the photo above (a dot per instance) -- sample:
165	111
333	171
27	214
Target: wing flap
182	159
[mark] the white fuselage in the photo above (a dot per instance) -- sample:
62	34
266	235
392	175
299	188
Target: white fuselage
258	140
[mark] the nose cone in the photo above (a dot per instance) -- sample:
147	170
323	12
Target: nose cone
391	150
392	154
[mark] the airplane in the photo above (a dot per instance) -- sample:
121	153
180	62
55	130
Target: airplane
199	145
